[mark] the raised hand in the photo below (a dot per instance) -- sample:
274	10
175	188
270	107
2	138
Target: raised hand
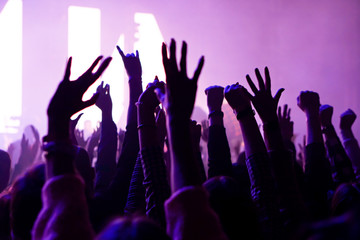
148	97
347	119
79	136
67	99
180	89
131	63
215	97
263	101
308	102
286	125
238	98
326	112
104	100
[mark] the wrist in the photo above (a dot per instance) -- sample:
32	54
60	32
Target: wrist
347	134
106	115
244	113
58	129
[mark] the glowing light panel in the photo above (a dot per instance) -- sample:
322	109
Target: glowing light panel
84	47
11	66
149	45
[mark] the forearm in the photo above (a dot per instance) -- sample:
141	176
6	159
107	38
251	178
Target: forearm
340	162
106	161
218	151
314	134
183	167
352	149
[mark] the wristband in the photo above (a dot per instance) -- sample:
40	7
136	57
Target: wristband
216	113
244	113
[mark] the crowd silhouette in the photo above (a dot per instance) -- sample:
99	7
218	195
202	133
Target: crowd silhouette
149	181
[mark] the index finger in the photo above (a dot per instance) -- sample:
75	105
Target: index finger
120	51
102	68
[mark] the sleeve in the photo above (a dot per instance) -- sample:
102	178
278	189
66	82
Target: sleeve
189	216
64	214
340	163
318	180
352	148
263	194
219	153
136	196
156	183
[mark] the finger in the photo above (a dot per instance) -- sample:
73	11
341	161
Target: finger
248	95
285	110
107	88
173	51
260	80
251	84
183	58
278	95
137	54
102	68
198	69
164	56
121	52
279	112
288	113
95	63
90	102
267	79
68	70
78	117
100	87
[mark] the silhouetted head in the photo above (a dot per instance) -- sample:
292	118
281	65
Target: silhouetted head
346	197
5	164
234	208
26	202
83	165
133	228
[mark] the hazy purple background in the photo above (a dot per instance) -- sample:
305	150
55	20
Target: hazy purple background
307	45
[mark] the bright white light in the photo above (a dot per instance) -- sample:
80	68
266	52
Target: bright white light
149	46
11	66
84	47
114	76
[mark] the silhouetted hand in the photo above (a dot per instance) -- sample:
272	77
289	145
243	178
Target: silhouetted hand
264	103
238	97
286	125
326	112
131	63
148	98
80	139
347	119
67	99
104	100
308	101
215	97
180	89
